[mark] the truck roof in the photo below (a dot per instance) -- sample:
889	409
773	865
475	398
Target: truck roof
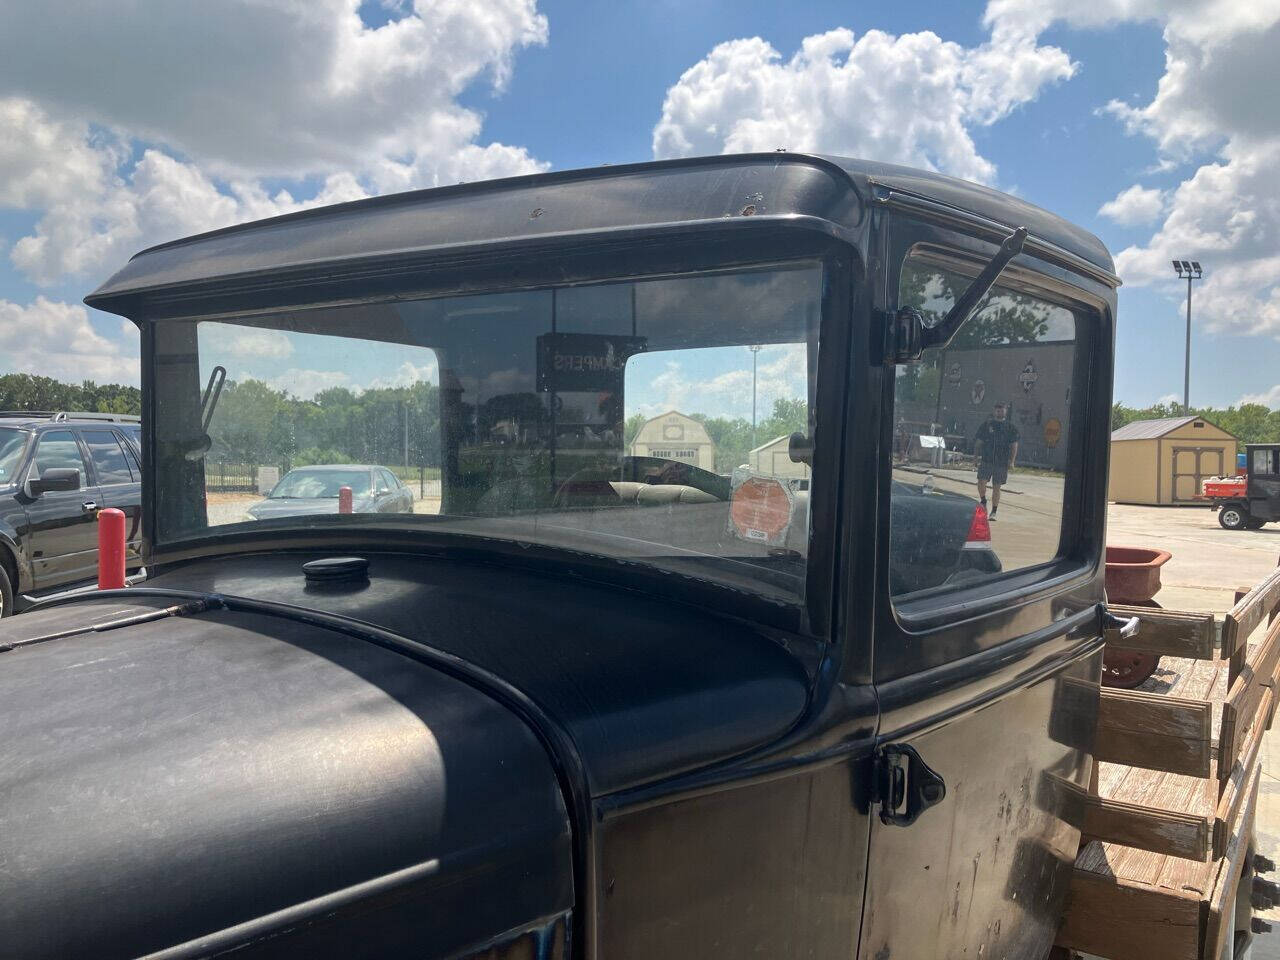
831	192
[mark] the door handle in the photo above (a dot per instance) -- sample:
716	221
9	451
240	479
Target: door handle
907	786
88	506
1126	628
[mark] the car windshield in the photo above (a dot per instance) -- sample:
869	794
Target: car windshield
320	484
660	421
12	443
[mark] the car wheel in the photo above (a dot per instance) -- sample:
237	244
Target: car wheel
6	593
1233	517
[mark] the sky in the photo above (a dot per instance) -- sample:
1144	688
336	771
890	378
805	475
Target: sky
1153	123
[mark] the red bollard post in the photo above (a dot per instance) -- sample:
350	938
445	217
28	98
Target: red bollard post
110	549
344	499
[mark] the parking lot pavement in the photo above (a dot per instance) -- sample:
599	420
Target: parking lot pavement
1208	562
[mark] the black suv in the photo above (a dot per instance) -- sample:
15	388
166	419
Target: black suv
56	471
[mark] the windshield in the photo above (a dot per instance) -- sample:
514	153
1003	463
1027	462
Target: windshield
12	443
650	421
317	484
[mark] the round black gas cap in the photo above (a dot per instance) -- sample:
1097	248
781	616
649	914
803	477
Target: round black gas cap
330	569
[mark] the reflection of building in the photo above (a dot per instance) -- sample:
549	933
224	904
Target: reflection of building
673	436
1034	379
773	459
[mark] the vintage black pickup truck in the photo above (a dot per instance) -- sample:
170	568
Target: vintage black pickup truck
647	673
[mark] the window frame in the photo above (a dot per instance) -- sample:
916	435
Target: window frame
939	627
633	259
85	432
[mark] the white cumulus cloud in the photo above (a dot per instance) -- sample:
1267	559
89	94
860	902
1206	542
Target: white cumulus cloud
1214	106
909	99
125	131
51	338
1134	206
1268	398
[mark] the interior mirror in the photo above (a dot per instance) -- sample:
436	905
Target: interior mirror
53	479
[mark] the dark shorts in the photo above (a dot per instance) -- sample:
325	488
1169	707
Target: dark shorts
996	474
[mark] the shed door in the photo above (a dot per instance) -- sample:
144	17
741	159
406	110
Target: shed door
1191	466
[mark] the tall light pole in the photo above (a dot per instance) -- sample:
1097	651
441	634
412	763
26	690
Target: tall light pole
755	349
1190	269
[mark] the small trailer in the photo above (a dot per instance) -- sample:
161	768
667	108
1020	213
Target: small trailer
1247	501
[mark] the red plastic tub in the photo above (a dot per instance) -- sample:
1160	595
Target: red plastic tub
1133	573
1132	576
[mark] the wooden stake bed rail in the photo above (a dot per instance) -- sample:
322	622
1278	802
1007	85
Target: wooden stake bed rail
1169	816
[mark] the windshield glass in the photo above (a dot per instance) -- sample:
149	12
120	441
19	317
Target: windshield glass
316	484
649	421
12	443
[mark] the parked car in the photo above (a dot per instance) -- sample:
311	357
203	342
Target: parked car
580	714
942	539
56	471
315	489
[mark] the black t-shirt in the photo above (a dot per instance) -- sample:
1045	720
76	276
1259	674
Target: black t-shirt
998	438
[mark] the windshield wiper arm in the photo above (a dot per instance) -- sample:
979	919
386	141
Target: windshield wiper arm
908	336
942	334
199	446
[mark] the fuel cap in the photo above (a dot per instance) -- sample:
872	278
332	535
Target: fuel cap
332	569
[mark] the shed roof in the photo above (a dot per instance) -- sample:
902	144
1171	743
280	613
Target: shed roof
1152	429
775	440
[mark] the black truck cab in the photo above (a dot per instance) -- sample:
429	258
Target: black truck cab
683	652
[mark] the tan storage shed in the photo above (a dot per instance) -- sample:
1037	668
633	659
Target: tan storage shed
673	436
1164	462
773	459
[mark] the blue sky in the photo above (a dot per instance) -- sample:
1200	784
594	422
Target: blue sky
121	135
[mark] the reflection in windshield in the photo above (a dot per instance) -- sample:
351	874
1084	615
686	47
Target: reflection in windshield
319	484
624	419
12	443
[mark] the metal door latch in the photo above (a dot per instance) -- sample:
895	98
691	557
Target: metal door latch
907	786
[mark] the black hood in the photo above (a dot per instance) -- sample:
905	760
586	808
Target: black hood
166	781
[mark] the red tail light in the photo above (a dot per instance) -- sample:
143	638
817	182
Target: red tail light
979	528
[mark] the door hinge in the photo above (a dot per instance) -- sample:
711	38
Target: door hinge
906	786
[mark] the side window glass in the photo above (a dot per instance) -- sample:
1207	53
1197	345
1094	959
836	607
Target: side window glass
388	480
1261	462
109	463
981	437
58	449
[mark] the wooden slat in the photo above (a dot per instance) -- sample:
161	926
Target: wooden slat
1218	928
1124	921
1249	612
1156	732
1173	633
1169	832
1243	698
1235	791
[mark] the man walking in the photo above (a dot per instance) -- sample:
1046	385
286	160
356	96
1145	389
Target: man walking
995	447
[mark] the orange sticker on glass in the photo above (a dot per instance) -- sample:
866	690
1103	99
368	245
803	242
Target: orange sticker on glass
761	510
